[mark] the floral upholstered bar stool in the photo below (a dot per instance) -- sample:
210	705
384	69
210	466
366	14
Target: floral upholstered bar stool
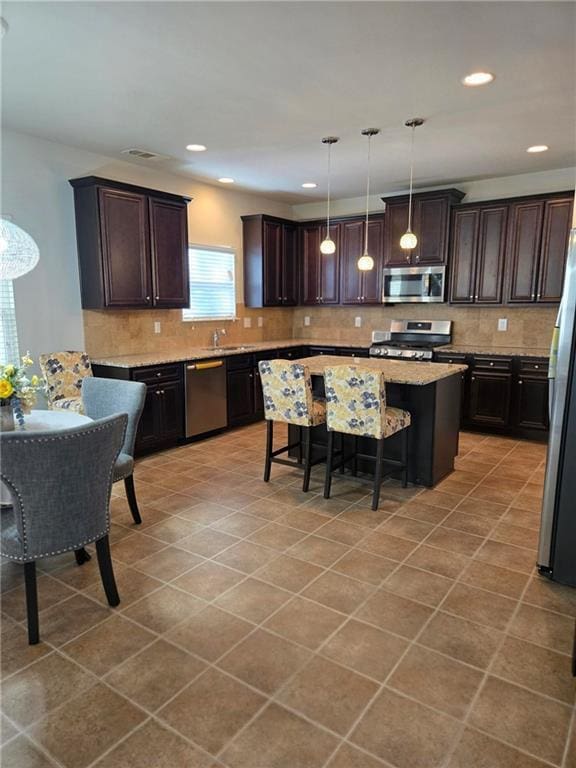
64	372
356	405
287	390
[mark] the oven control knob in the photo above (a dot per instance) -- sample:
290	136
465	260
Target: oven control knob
384	352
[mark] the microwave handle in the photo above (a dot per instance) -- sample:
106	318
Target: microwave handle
426	284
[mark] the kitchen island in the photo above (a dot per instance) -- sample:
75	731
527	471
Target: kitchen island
431	392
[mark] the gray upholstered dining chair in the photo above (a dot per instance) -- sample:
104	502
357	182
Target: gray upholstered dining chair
60	483
103	397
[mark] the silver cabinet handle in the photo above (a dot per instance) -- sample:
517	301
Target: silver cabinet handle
147	298
519	381
536	366
471	295
156	298
159	374
491	363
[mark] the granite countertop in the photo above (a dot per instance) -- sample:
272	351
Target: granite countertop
395	371
206	353
485	349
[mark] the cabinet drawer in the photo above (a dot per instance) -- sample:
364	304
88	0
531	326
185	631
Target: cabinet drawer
444	357
321	351
159	373
294	353
239	362
267	354
352	352
534	367
493	363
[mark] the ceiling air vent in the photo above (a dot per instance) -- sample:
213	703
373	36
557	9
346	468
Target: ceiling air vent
143	154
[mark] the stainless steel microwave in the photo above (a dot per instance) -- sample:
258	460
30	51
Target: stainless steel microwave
413	284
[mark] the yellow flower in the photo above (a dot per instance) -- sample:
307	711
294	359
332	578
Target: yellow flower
6	389
27	360
9	370
34	381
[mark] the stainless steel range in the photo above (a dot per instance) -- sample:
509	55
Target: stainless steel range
411	339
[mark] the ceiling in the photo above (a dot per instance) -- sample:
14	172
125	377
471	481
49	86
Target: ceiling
260	83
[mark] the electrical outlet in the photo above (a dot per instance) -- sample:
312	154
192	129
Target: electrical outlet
503	324
247	322
358	322
260	322
157	326
306	319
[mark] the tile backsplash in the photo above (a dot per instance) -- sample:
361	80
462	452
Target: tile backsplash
527	327
132	332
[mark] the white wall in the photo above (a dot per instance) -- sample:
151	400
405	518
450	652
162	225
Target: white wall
558	180
38	197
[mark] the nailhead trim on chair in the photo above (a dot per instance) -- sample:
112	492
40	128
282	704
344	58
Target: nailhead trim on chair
52	439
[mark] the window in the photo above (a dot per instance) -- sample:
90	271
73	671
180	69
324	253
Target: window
8	334
212	284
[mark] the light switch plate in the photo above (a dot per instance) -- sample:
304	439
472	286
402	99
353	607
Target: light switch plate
157	326
358	322
503	324
306	320
260	322
247	322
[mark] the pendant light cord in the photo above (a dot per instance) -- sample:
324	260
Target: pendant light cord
328	185
367	196
411	178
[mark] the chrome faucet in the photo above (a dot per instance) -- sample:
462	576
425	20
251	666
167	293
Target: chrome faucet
216	336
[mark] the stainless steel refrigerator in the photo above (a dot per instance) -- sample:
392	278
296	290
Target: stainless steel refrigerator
557	546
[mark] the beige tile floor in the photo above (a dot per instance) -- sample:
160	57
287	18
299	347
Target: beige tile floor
261	627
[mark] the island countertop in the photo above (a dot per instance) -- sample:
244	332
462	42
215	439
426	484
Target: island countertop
395	371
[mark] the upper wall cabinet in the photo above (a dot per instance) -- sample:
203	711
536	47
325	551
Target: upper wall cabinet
270	262
537	245
320	273
132	245
358	287
430	222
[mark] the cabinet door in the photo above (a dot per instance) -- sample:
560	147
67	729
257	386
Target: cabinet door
172	413
532	402
463	255
240	397
330	270
150	421
310	264
489	401
352	249
523	249
490	255
372	281
396	224
555	233
272	254
125	248
169	251
430	226
289	267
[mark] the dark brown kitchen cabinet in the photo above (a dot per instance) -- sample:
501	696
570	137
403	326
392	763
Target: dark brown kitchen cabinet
477	254
532	402
357	287
555	234
169	253
320	273
270	262
489	399
241	396
132	245
523	250
430	224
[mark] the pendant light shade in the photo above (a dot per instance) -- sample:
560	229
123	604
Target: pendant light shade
328	246
409	241
19	253
366	262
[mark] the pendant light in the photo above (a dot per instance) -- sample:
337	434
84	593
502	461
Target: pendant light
409	241
366	262
328	246
19	253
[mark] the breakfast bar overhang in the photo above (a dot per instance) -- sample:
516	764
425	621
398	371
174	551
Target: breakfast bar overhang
431	392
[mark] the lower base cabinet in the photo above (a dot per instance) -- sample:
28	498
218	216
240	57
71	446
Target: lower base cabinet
489	400
532	403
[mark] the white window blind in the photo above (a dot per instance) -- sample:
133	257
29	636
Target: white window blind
212	284
8	334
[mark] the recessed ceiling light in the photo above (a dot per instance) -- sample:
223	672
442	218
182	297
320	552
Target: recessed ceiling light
195	147
538	148
478	78
309	185
226	180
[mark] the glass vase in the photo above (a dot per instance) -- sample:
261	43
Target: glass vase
7	423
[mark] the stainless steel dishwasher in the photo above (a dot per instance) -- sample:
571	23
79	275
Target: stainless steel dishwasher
206	407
